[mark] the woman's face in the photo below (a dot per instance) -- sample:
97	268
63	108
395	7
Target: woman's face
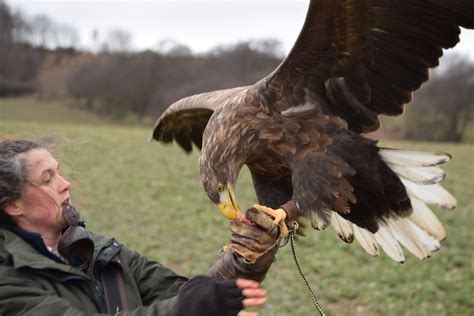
45	193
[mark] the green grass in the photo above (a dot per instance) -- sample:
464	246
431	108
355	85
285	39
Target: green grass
150	198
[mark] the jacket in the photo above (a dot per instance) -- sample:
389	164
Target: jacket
34	284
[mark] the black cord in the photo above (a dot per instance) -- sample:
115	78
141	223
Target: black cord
295	227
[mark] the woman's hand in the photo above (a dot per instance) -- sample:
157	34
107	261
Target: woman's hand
203	295
255	295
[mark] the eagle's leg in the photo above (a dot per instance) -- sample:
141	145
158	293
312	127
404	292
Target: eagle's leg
279	216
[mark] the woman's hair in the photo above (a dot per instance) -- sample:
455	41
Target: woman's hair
13	173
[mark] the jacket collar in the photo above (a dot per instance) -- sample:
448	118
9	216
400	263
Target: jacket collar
35	241
24	255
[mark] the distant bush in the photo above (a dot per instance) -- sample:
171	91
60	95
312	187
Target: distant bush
146	83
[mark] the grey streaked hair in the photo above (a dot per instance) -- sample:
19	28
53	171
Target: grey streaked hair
13	171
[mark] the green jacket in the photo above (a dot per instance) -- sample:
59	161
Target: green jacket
33	284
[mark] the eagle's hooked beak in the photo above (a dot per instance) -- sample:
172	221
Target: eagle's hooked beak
228	205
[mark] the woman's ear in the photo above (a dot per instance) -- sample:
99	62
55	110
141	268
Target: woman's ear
14	209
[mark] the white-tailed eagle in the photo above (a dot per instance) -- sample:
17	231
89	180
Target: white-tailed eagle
300	129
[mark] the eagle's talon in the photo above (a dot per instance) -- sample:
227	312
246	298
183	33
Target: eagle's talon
284	228
279	216
272	228
223	250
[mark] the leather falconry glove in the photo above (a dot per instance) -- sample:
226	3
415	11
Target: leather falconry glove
251	250
75	243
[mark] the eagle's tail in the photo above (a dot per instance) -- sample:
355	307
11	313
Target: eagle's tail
421	232
421	174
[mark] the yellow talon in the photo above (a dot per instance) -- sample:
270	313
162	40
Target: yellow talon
279	216
225	248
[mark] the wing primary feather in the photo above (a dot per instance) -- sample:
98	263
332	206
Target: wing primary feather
357	83
184	141
359	117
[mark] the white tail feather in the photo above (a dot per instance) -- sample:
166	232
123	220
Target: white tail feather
426	219
317	221
413	158
421	232
389	243
408	237
342	227
393	232
430	243
420	175
367	240
431	194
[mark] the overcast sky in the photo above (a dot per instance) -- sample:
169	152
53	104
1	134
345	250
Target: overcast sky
198	24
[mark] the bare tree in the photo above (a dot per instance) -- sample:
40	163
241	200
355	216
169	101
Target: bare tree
6	24
42	30
271	47
66	36
173	48
119	41
95	39
22	28
19	63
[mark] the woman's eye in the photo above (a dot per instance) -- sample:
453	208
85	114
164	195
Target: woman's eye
48	180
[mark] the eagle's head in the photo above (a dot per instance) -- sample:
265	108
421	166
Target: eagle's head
222	157
218	179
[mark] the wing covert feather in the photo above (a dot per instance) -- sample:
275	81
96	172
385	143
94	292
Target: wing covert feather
185	120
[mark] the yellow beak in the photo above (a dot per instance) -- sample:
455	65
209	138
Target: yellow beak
228	204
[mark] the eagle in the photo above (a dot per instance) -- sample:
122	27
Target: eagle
301	129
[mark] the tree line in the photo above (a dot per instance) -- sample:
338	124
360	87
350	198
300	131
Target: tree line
115	81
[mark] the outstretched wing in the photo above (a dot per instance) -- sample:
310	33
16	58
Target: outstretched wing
186	119
359	59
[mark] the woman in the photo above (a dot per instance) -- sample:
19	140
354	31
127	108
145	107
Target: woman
50	265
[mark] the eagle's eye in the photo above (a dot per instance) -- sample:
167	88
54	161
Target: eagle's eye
220	188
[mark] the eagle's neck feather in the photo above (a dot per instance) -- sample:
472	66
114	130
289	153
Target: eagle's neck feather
307	106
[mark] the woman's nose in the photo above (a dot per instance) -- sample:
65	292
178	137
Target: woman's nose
65	185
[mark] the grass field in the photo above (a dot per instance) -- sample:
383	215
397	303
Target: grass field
149	197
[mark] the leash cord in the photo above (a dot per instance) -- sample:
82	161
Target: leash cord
295	227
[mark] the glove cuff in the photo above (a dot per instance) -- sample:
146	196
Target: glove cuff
231	266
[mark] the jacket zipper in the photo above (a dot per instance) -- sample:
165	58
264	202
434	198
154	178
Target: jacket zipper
95	286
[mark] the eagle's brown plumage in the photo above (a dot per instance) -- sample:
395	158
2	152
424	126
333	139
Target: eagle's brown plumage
299	129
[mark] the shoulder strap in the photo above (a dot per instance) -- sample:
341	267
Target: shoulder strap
114	288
